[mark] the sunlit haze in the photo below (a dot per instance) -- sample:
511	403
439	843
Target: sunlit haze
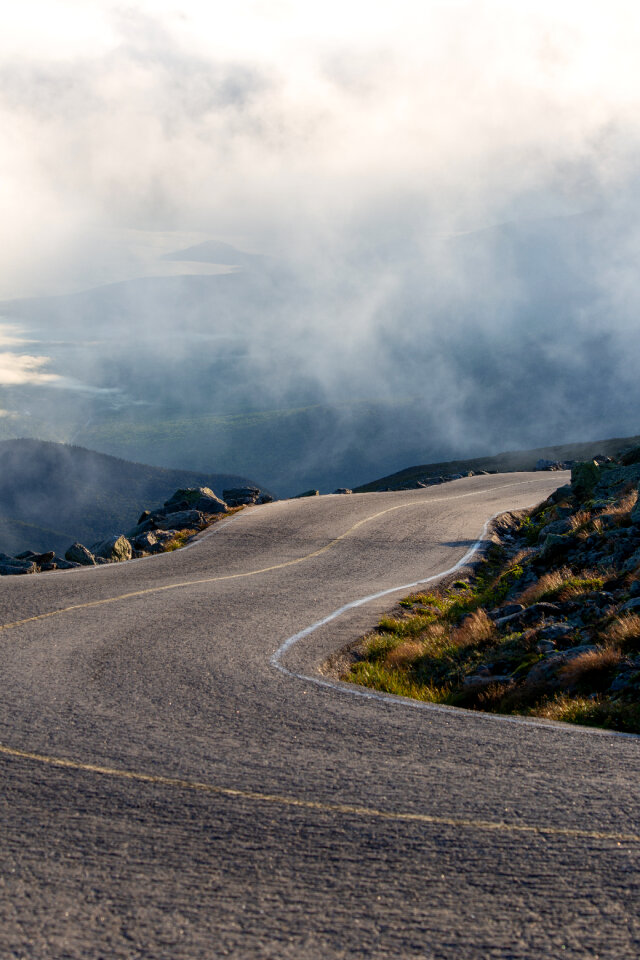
365	148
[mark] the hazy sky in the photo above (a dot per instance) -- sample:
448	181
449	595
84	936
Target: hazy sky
246	119
318	130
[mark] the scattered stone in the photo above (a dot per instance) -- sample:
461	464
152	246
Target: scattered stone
113	549
61	564
147	542
182	520
80	555
241	496
10	566
202	499
545	646
510	609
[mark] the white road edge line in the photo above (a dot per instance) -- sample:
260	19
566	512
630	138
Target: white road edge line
365	694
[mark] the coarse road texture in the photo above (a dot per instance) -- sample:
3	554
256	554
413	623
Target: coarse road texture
168	793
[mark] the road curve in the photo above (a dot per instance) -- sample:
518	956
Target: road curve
168	792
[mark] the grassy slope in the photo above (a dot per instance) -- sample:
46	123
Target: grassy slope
576	660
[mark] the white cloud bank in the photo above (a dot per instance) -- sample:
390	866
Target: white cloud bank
279	120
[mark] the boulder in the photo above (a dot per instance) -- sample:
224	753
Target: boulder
38	558
197	498
114	549
149	523
79	554
148	542
61	564
182	520
9	566
584	477
307	493
343	490
241	496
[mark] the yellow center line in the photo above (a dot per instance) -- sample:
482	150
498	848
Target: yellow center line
249	573
345	809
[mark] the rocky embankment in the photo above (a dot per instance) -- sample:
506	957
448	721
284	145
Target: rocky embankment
167	528
547	624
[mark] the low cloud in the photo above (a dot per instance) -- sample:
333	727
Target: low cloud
18	369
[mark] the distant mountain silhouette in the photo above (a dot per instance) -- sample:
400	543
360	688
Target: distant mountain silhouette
52	494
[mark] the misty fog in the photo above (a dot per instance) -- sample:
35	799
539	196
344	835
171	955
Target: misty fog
323	250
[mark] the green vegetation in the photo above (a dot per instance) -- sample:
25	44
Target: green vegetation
534	631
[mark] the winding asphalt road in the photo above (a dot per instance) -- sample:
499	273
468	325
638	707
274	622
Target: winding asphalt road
171	790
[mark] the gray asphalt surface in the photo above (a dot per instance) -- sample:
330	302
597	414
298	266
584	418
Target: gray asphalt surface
212	806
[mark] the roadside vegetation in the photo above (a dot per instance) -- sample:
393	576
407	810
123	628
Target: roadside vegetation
546	625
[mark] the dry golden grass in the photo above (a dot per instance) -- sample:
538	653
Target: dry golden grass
403	655
477	628
580	520
623	507
562	584
624	631
547	582
586	667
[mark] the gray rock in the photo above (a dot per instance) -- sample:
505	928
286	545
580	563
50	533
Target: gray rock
556	526
530	615
343	490
197	498
182	520
584	477
632	562
545	670
148	524
241	496
483	678
507	611
307	493
147	541
113	549
633	604
10	566
554	543
66	564
622	682
545	646
555	632
79	554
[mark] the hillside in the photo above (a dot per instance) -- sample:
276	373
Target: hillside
546	624
52	494
506	462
